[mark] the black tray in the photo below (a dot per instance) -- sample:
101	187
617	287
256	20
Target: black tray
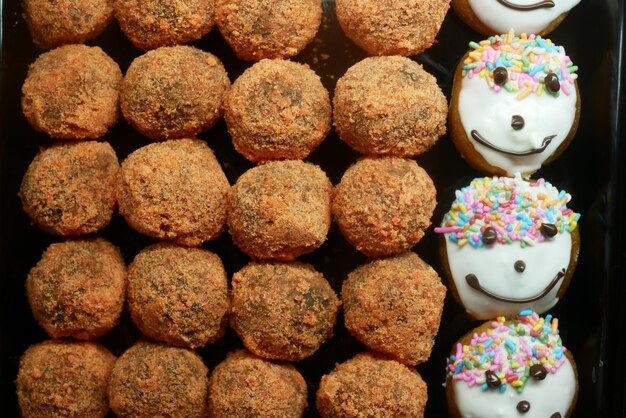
592	314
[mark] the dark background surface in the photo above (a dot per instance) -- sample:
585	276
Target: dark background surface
591	314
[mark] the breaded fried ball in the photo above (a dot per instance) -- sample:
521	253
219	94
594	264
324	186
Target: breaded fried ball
72	92
151	24
389	106
77	288
372	386
383	206
174	190
257	29
64	379
173	92
69	188
392	27
394	306
282	311
277	109
247	386
178	295
280	210
56	22
153	380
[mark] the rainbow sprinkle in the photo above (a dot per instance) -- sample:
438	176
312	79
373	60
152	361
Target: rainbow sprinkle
528	59
513	207
509	350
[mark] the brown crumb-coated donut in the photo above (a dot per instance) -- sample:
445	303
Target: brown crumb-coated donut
151	24
280	210
77	288
394	306
68	189
277	109
247	386
178	295
72	92
389	106
64	379
282	311
173	92
392	27
156	380
174	190
383	206
372	386
58	22
257	29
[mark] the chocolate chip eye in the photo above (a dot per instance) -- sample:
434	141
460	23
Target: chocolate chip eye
517	122
548	230
519	266
556	415
538	372
500	76
552	83
489	235
523	406
493	381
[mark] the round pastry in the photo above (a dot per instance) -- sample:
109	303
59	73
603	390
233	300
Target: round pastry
515	104
72	92
499	16
151	24
173	92
54	23
370	385
64	379
69	188
392	27
383	205
174	190
277	109
389	106
282	311
257	29
245	385
509	244
512	367
178	295
77	288
153	380
280	210
394	306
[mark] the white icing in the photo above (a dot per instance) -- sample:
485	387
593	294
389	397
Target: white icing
553	394
489	112
501	18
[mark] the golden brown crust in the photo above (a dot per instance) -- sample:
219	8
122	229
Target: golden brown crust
245	385
257	29
392	27
389	106
64	379
371	386
383	205
394	306
72	92
178	295
282	311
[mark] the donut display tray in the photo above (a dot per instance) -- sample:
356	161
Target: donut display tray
592	313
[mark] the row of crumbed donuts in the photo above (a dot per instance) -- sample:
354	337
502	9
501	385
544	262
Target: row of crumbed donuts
150	379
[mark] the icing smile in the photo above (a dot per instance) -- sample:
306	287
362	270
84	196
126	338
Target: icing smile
473	282
546	4
481	140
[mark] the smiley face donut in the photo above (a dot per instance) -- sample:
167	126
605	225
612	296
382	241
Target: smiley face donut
498	16
515	104
508	244
516	367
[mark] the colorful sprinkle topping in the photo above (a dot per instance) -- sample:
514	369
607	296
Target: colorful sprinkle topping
505	210
533	65
509	353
